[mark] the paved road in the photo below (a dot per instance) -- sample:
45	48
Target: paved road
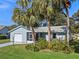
6	44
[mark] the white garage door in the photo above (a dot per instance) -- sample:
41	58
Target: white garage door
18	38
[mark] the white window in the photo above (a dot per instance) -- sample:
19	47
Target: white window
29	36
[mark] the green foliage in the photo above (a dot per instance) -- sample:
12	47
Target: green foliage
2	36
32	47
4	41
77	49
19	52
60	45
67	49
74	29
59	19
57	45
42	43
75	45
49	46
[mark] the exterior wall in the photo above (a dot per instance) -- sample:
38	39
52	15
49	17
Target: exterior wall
21	31
58	36
4	31
61	37
76	22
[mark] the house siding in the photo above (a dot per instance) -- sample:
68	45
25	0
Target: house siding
4	31
21	31
40	33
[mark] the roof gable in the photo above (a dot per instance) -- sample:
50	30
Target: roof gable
17	28
2	27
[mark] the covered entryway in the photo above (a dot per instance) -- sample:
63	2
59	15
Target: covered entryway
18	37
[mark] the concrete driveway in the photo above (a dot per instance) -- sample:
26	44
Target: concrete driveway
6	44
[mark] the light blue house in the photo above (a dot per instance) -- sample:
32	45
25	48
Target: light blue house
23	35
3	30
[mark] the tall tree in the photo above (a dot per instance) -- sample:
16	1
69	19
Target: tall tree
49	8
25	15
60	20
64	5
46	11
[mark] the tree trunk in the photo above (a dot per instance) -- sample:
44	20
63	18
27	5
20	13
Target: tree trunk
33	34
68	32
49	31
49	34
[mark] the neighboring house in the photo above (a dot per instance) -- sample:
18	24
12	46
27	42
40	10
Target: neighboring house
4	30
76	20
12	27
23	34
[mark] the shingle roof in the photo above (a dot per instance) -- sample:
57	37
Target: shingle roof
53	29
1	27
44	29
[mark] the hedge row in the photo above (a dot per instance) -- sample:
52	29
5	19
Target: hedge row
2	37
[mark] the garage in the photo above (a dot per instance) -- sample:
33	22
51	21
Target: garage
18	37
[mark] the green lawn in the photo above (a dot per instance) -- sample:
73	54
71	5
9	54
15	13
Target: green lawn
4	41
19	52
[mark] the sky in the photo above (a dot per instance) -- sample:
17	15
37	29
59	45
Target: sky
7	7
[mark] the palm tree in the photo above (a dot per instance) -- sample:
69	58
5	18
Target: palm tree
25	15
66	5
17	16
46	10
30	21
49	8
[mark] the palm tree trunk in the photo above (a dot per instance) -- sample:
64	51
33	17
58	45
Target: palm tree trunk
68	25
49	31
68	32
33	34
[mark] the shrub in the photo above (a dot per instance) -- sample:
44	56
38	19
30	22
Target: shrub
77	49
32	47
67	49
42	43
75	45
57	45
60	45
2	36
